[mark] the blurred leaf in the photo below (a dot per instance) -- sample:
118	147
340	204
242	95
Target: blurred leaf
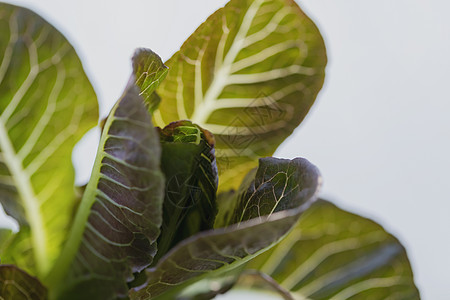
249	74
5	239
259	280
217	251
46	105
115	230
334	254
16	284
226	202
189	165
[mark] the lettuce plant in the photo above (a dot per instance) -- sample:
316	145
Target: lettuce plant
184	200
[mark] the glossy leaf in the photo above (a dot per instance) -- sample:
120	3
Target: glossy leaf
46	106
18	285
149	71
189	165
334	254
249	74
226	248
117	224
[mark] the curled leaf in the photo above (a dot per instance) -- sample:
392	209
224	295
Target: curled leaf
220	250
189	165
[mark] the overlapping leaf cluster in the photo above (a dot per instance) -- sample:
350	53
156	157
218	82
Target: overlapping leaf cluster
193	207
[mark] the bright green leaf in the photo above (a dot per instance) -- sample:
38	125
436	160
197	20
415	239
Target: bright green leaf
46	106
16	284
149	71
334	254
117	224
189	165
223	249
249	74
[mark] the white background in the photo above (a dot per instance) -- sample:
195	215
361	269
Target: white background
379	132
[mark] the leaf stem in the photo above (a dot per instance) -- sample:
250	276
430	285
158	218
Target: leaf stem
62	265
30	202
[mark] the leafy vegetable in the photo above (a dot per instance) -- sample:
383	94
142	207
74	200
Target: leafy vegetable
249	74
150	223
46	105
189	165
18	285
280	191
334	254
118	221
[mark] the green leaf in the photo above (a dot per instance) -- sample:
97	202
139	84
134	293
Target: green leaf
220	250
249	75
6	235
189	165
117	224
149	71
211	286
275	186
18	285
334	254
226	202
46	106
258	280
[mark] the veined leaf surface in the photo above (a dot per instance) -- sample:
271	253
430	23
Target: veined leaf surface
117	224
189	165
226	248
249	74
18	285
46	105
149	71
334	254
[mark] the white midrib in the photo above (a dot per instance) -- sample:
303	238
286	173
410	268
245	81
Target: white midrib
29	200
202	112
